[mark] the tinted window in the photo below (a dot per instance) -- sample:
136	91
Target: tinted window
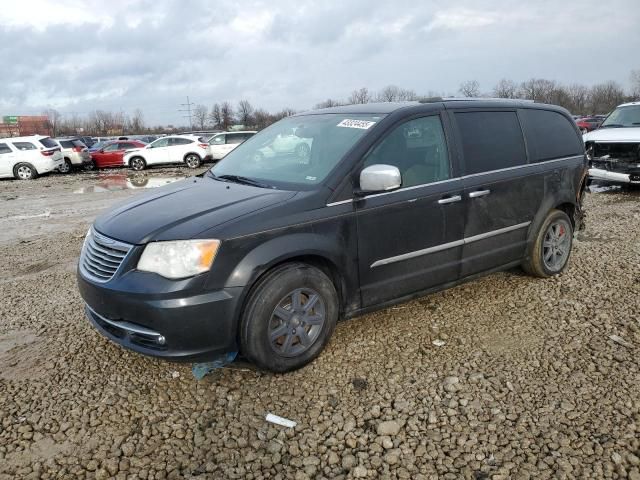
419	150
125	146
180	141
24	145
550	135
78	143
490	141
48	143
233	139
66	143
4	148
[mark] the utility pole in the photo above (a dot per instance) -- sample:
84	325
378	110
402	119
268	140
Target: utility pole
187	110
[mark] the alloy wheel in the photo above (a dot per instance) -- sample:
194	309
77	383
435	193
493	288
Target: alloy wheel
193	161
137	164
556	245
296	322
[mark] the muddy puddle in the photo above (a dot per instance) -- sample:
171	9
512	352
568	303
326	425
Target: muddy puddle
122	181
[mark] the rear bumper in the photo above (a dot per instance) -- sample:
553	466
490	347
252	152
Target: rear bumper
615	177
177	328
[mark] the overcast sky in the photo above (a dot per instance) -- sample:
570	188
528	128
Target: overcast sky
82	55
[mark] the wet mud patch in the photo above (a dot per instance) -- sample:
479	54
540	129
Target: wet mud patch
23	356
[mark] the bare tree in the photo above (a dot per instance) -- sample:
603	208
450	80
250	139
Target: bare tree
635	84
405	95
470	88
245	111
390	93
285	112
505	89
328	103
538	89
137	121
262	119
578	95
53	119
360	96
604	97
200	114
215	117
226	111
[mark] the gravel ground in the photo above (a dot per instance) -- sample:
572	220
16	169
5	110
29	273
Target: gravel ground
536	378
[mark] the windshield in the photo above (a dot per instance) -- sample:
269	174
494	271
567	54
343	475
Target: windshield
299	150
623	117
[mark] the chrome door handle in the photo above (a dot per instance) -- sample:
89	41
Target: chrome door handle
479	193
453	199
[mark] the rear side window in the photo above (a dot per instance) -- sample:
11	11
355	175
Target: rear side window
24	146
490	141
180	141
4	148
550	135
48	143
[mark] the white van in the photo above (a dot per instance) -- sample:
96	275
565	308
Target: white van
25	158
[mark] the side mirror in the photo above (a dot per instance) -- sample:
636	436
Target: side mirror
379	178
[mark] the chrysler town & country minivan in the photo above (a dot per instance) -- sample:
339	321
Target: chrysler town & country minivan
392	201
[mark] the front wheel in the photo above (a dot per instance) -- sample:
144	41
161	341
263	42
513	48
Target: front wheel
192	160
138	164
289	317
552	246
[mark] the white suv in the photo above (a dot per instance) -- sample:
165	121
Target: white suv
74	152
186	149
25	158
222	143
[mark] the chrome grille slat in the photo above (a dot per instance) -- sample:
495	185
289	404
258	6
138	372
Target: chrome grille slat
102	256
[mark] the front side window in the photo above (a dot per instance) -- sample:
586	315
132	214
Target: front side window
4	148
418	148
297	151
24	146
490	141
623	117
112	147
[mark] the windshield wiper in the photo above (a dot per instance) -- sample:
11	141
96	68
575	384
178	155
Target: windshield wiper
612	125
243	180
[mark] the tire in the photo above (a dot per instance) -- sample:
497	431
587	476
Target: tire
552	246
65	167
90	166
192	160
25	171
272	308
138	164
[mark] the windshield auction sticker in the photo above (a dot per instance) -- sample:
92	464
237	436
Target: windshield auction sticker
362	124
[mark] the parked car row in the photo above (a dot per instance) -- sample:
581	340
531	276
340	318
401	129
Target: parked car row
19	156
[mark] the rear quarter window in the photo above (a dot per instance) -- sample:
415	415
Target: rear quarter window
4	148
24	146
490	141
550	135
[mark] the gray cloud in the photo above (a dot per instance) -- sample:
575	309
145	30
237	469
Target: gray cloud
151	55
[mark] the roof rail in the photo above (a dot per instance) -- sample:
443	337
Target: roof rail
473	99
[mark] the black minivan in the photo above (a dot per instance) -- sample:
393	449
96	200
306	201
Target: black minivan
332	213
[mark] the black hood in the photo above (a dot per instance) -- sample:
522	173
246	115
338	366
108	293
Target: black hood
184	209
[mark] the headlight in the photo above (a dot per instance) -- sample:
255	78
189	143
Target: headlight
179	259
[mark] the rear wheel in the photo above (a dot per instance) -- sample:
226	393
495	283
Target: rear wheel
289	317
25	171
192	160
552	246
137	164
65	167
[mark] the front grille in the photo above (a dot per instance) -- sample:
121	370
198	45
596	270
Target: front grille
102	256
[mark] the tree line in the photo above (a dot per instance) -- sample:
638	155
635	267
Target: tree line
579	99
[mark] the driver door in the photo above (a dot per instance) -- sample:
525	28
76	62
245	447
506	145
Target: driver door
410	239
157	152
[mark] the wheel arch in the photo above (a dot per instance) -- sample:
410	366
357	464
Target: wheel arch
184	157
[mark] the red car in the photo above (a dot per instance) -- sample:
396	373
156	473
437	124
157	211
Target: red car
587	124
110	154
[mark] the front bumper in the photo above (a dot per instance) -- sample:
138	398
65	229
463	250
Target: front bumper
614	177
195	327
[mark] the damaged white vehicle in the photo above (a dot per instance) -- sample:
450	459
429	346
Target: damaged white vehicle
613	150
